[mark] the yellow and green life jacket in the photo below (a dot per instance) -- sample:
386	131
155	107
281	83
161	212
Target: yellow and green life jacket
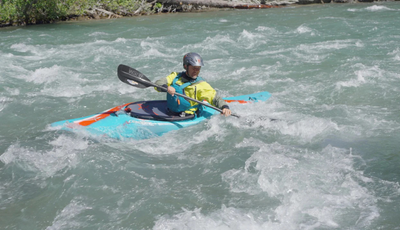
197	89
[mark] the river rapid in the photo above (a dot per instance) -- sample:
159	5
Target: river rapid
330	161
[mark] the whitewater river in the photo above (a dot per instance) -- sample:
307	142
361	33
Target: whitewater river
331	161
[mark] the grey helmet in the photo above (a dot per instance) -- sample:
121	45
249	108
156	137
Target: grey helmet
193	59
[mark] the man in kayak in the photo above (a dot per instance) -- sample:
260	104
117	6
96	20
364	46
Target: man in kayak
192	85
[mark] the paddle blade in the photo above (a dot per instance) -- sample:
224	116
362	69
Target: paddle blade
132	77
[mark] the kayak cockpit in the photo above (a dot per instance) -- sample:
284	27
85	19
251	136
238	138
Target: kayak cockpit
154	110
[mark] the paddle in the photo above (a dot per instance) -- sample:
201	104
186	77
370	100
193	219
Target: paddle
135	78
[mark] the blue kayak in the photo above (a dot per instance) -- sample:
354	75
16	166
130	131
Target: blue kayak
143	119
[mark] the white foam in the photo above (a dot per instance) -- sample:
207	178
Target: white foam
269	30
365	74
199	133
153	52
95	34
44	75
46	163
396	54
374	8
226	219
377	8
307	129
247	35
355	82
216	43
12	91
315	188
3	102
108	51
247	73
250	40
368	121
330	45
66	218
304	29
22	47
121	40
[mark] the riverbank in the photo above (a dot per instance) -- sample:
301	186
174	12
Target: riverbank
149	7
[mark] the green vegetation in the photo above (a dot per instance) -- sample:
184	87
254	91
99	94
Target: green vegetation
26	12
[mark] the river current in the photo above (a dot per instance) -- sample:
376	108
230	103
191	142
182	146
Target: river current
330	161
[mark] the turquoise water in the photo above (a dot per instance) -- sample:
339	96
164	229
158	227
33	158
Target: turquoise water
331	161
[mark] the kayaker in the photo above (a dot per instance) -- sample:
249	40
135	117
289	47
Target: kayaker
189	82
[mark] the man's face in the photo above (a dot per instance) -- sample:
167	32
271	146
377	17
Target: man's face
193	71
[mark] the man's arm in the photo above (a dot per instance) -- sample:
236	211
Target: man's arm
219	102
161	82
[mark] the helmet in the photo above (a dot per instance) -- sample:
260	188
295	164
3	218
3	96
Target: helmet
193	59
